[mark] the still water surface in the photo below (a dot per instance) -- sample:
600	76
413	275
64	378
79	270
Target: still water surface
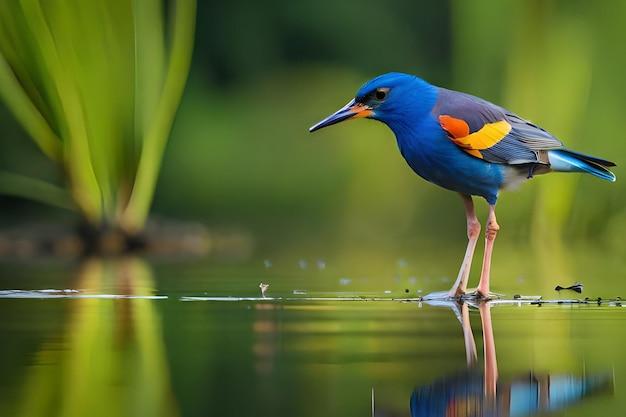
126	341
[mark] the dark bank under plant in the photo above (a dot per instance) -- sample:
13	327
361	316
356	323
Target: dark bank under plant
96	85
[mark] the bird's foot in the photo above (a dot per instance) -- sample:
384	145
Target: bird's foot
478	296
439	296
458	295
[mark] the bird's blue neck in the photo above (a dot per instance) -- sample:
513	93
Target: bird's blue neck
412	120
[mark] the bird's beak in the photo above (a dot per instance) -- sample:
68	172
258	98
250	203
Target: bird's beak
352	110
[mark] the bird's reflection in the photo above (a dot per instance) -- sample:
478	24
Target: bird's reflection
475	392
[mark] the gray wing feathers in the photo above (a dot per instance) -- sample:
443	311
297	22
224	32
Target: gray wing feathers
524	143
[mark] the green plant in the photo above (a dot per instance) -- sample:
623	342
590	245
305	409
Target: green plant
96	84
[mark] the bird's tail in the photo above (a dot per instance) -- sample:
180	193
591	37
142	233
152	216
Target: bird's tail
564	160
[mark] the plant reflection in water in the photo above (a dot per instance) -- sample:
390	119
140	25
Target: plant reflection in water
110	357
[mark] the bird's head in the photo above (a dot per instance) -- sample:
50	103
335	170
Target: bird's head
389	98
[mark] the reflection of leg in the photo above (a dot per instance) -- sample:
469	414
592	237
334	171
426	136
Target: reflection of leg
473	230
470	344
491	364
490	237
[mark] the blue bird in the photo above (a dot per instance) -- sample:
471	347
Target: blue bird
464	144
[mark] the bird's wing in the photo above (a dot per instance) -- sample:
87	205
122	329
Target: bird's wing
490	132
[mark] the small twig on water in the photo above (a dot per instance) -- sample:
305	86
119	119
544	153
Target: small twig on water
263	288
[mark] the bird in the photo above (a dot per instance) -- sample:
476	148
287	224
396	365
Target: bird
465	144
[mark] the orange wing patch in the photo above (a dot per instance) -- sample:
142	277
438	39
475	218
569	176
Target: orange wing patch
456	128
473	143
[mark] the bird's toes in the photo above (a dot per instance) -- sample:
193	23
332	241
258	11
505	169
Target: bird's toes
438	296
479	296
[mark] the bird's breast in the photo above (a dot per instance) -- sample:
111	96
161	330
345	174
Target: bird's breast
434	157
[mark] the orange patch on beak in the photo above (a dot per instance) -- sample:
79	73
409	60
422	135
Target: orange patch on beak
351	110
360	111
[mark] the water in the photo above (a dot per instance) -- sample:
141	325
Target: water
130	338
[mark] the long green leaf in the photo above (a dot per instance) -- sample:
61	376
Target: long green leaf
79	169
14	91
35	189
135	215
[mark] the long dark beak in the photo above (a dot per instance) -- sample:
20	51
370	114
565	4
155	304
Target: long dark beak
352	110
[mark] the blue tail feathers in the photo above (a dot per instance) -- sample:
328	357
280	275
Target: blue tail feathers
564	160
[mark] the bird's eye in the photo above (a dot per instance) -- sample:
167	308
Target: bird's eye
381	94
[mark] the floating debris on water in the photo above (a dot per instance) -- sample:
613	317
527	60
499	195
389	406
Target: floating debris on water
321	264
387	291
345	281
526	297
578	287
267	263
299	292
263	288
402	263
412	280
303	264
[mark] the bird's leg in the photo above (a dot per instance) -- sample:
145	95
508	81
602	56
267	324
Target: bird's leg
490	237
470	343
491	364
473	231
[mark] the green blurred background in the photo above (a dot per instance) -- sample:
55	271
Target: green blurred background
240	155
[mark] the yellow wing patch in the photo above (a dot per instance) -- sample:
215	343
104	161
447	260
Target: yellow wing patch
473	143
